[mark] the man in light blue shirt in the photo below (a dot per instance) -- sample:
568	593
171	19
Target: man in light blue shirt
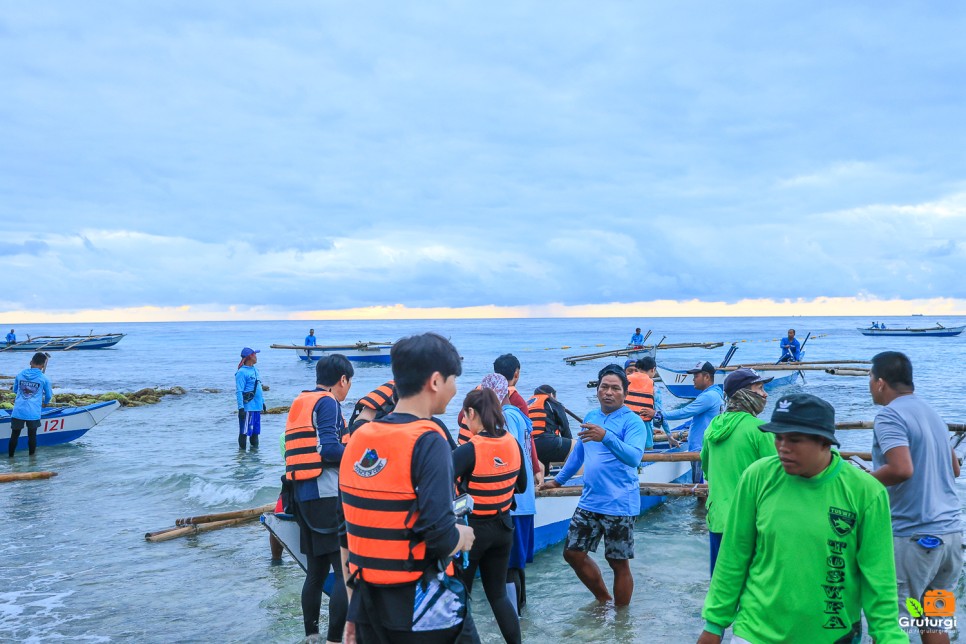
11	337
32	389
310	339
637	339
701	410
248	395
610	450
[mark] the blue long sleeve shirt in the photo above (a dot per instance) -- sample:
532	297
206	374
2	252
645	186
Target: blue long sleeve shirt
637	339
611	485
32	389
11	339
791	349
310	341
521	428
701	410
248	379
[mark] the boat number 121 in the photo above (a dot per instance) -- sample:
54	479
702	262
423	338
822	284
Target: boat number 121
53	424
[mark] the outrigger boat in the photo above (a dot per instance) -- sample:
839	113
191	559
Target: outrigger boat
638	351
64	342
373	352
550	522
938	331
59	424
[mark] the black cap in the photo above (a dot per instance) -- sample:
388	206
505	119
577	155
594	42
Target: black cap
802	414
706	367
741	378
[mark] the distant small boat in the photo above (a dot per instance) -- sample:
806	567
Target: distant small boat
373	352
59	424
938	331
64	342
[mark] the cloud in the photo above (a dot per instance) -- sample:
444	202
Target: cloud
30	247
460	155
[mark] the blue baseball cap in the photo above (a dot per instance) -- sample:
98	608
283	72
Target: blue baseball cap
247	352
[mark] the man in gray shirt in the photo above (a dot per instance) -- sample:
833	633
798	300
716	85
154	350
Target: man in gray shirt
913	459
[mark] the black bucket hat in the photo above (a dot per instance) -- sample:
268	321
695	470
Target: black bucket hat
802	414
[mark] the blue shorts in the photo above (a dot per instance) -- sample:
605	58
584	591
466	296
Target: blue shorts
521	550
250	424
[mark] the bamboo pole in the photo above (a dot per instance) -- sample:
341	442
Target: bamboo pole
647	489
221	516
868	424
847	372
678	457
167	535
25	476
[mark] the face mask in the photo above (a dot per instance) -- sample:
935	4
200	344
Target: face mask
746	400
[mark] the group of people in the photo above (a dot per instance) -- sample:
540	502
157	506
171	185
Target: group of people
801	541
879	325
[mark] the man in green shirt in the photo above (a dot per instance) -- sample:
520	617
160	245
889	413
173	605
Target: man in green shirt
808	544
732	443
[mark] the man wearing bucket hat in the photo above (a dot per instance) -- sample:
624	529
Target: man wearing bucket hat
701	410
808	544
732	442
248	395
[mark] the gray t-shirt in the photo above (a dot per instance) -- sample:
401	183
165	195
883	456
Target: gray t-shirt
926	503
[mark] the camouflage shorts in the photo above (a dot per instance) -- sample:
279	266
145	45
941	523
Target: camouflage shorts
587	528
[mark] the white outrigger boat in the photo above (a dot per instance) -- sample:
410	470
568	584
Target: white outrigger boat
59	424
938	331
550	522
64	342
372	352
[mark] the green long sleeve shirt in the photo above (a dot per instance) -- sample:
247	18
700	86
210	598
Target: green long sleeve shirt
801	558
732	443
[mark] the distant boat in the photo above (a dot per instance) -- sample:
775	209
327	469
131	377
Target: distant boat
59	424
64	342
938	331
373	352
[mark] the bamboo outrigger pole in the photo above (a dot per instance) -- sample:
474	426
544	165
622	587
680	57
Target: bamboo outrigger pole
25	476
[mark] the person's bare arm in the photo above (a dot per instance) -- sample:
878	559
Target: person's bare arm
955	464
898	467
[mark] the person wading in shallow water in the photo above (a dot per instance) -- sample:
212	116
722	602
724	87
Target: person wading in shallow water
610	449
32	389
248	395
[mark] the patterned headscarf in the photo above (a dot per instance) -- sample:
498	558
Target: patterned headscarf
747	401
498	384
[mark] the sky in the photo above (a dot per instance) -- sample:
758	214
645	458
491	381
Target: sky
313	160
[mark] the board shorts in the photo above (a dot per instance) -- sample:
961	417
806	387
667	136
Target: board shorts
920	570
250	424
17	424
587	528
521	550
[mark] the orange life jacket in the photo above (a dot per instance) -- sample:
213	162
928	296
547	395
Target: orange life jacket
640	394
464	434
493	480
379	500
538	413
302	460
381	397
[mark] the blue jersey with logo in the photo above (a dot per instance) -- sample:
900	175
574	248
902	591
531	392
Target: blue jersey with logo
33	392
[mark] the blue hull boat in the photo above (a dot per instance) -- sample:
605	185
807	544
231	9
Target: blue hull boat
64	342
370	352
938	331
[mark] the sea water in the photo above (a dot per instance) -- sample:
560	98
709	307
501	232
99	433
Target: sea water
74	564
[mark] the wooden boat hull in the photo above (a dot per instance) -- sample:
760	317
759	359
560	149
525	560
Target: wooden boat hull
681	384
59	425
551	521
65	343
931	332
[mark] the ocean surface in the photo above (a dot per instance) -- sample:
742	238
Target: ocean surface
74	565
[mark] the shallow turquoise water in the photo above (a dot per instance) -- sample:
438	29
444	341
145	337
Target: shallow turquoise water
74	564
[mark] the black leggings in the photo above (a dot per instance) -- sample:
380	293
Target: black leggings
312	595
16	426
491	553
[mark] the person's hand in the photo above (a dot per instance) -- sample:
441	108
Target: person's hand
241	414
671	440
708	638
549	485
466	537
538	477
591	432
349	633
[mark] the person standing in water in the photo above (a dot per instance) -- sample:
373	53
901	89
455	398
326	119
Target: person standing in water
248	395
32	389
